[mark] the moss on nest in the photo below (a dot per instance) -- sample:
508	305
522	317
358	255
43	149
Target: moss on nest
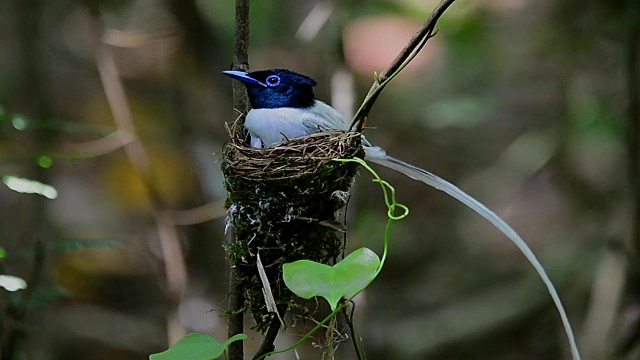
279	199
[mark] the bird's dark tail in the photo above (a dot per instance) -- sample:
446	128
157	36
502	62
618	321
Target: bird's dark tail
380	157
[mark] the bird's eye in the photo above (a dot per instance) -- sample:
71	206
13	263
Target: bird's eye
273	80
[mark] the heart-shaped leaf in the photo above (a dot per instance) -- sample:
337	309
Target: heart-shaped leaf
309	278
196	346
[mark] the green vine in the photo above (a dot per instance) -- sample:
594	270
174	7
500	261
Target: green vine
393	207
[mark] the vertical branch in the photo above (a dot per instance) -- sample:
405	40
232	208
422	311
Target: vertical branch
241	55
240	104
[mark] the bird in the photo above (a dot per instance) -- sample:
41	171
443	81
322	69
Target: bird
283	107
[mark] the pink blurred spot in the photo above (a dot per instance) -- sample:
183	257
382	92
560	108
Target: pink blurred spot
371	44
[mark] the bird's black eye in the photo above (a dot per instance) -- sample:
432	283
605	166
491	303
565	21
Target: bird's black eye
273	80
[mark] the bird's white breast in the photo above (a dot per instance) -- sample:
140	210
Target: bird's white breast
270	126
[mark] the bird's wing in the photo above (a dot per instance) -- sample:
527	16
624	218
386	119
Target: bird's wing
268	127
256	142
322	117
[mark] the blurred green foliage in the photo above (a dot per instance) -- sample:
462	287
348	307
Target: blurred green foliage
523	104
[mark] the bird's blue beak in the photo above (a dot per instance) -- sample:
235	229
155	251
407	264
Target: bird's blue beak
243	76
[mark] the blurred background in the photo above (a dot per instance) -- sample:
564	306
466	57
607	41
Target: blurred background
112	120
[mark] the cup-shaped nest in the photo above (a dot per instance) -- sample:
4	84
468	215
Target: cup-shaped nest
283	203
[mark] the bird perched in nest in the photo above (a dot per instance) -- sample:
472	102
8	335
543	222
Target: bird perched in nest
284	107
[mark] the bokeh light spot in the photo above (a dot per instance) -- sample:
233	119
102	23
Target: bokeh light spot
19	122
45	161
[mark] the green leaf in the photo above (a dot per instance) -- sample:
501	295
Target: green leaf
309	278
196	346
3	253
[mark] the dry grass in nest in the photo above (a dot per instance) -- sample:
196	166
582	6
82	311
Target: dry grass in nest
291	159
280	200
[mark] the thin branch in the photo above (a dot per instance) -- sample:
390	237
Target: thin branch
272	333
236	317
197	215
241	56
348	317
102	146
417	42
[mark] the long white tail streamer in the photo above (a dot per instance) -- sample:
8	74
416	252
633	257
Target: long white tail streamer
380	157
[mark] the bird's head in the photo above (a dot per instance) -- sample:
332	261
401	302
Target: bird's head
276	88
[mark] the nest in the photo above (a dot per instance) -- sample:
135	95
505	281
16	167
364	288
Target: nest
284	203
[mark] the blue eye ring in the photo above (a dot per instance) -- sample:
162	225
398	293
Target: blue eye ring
272	80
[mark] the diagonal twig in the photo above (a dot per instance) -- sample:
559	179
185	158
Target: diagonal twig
413	47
